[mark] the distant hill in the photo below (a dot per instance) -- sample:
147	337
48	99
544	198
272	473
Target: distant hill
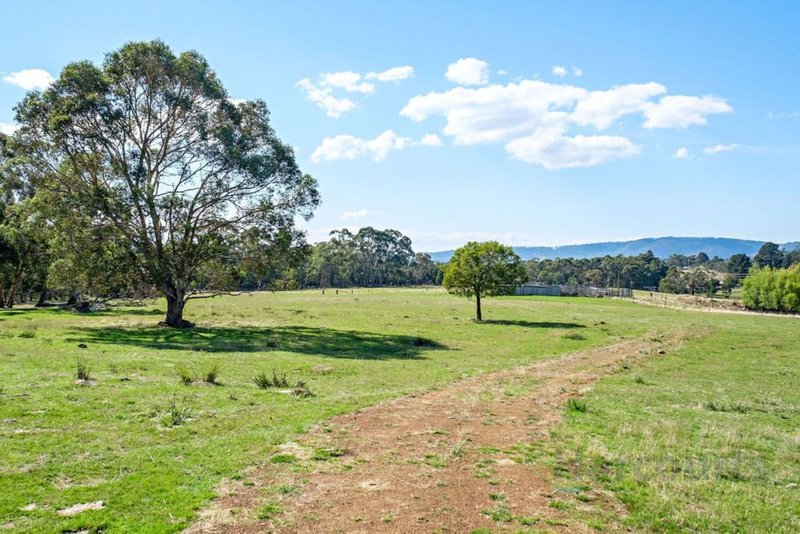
663	247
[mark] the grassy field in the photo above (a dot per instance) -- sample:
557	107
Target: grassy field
705	438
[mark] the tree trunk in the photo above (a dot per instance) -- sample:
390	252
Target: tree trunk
14	288
478	315
42	298
2	296
176	301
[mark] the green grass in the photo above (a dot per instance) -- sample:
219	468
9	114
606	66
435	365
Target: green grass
62	444
712	444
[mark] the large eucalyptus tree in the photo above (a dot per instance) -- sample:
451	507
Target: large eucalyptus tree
150	144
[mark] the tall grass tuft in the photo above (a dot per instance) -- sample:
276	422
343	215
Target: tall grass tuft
212	374
577	406
83	370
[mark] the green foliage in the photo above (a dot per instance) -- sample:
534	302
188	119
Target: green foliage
769	255
772	289
638	272
738	264
483	269
177	196
368	258
692	281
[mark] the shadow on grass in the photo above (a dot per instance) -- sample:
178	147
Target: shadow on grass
300	339
58	309
534	324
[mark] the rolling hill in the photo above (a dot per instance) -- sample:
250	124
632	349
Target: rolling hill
662	247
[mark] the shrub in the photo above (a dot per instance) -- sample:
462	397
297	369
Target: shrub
772	289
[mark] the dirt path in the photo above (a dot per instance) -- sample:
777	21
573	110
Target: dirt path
452	460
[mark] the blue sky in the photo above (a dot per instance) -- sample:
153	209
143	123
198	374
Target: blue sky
534	123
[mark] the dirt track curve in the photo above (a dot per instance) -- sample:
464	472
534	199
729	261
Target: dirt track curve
442	461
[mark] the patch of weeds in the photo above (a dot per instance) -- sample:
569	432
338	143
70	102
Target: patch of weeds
488	450
527	521
458	449
639	380
574	336
737	407
269	511
441	484
497	496
523	453
83	370
439	432
577	406
175	415
27	334
483	469
572	490
499	514
277	380
287	489
387	519
560	505
323	455
302	390
283	459
435	461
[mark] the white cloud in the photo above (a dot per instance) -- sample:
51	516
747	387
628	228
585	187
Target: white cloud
392	75
322	97
237	101
431	140
30	79
351	147
496	113
321	92
559	71
468	71
502	72
602	108
348	80
577	72
682	111
681	153
716	149
551	149
355	215
536	120
8	129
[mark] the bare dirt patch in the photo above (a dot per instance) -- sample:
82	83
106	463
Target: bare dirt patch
451	460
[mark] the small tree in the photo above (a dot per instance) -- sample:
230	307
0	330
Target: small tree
482	270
